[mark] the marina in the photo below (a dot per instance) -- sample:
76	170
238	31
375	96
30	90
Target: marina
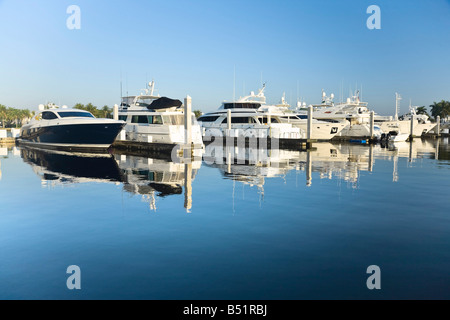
224	158
177	230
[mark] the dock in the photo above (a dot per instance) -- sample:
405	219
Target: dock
262	143
8	141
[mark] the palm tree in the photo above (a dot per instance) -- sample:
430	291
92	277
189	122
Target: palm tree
197	113
106	112
3	112
422	110
441	109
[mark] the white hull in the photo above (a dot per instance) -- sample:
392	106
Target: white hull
322	130
404	126
164	134
275	130
359	131
399	138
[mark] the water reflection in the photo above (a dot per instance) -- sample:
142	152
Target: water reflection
341	161
58	167
145	176
157	176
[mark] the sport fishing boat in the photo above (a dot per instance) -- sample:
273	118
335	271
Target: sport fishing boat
69	128
402	124
154	119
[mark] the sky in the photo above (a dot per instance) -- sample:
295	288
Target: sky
220	50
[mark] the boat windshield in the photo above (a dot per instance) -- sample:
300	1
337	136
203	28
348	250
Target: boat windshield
241	105
75	114
144	102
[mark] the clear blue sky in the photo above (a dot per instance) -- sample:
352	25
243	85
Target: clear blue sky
193	47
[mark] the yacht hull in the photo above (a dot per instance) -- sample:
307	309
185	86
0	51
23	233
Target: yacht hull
86	135
405	127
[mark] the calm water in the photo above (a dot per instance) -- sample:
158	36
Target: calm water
299	226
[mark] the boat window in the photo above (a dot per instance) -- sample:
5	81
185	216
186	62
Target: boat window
72	114
240	120
208	118
241	105
48	115
302	116
173	119
157	120
140	119
264	120
123	118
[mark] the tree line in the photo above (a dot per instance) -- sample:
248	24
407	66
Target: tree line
12	117
441	109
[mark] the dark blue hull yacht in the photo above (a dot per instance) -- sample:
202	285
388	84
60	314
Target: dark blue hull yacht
70	128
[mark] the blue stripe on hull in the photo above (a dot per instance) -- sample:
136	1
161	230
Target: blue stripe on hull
86	134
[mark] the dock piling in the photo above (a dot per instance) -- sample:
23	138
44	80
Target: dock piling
116	112
372	125
309	125
437	129
188	120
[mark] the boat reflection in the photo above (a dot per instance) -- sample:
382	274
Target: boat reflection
253	166
59	167
157	176
145	176
339	161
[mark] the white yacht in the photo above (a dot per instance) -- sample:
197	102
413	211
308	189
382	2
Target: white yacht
254	117
354	111
247	120
402	124
154	119
321	130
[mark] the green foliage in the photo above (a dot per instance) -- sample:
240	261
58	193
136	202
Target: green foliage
422	110
104	112
12	117
441	109
197	113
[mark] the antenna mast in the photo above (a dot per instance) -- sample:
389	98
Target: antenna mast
397	105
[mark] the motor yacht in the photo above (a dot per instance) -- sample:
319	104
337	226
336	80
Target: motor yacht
247	119
353	110
402	124
321	130
69	128
151	118
253	117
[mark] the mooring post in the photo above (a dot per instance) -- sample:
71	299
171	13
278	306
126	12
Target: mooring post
372	125
437	129
188	186
309	125
411	133
188	120
116	112
308	168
